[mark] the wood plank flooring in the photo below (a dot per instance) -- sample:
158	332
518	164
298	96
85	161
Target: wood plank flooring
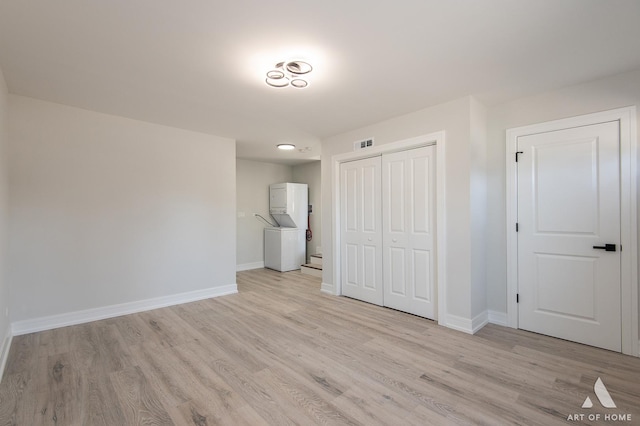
282	353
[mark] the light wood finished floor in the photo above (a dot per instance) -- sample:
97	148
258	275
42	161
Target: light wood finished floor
281	353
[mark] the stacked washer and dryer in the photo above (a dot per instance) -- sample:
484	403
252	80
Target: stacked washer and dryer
285	246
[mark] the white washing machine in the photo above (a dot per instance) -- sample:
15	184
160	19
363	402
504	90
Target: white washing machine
284	248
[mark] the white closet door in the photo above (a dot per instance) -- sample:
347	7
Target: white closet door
569	234
409	227
361	230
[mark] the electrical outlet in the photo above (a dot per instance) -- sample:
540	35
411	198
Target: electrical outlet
6	312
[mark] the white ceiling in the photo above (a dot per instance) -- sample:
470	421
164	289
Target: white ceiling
200	64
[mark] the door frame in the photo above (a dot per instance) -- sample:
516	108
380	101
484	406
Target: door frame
438	139
628	213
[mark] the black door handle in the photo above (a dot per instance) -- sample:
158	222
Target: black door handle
606	247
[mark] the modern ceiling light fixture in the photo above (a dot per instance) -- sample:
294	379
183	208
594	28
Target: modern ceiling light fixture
286	146
289	73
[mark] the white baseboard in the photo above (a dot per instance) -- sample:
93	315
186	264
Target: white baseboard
4	350
498	318
249	266
95	314
466	325
327	288
479	321
458	323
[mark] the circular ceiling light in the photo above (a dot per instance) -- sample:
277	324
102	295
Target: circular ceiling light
277	82
299	83
288	73
298	67
286	146
275	74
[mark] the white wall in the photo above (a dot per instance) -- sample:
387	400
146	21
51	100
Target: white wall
253	179
478	193
5	332
455	119
310	173
106	210
600	95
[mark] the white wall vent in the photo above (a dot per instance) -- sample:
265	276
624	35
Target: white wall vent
367	143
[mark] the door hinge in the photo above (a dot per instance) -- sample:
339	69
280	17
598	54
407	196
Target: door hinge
518	298
519	152
517	227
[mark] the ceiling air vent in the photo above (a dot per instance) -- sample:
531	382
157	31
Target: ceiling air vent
367	143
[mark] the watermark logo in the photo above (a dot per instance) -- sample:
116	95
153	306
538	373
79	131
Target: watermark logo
606	401
603	396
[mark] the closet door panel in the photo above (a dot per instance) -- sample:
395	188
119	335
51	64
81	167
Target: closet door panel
408	187
361	230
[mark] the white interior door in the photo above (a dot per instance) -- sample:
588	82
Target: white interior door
569	204
361	230
409	223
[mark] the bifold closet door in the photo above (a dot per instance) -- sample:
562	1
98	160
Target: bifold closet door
361	229
409	227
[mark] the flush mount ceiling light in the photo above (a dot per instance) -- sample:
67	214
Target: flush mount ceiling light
289	73
286	146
